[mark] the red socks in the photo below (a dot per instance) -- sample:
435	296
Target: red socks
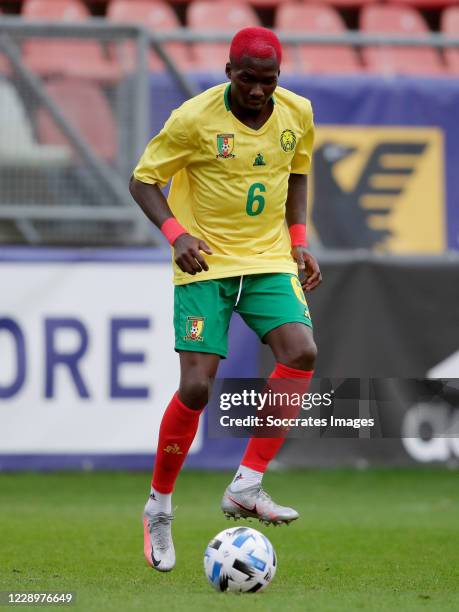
180	424
260	451
178	429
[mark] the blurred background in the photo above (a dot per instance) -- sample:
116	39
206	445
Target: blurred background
86	340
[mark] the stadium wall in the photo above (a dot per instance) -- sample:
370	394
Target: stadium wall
86	347
88	366
387	318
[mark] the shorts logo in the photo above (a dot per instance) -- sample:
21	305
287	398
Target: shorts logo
288	140
298	289
225	145
194	328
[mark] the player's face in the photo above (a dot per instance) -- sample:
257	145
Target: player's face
253	81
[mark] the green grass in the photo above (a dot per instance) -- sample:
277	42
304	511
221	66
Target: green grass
374	540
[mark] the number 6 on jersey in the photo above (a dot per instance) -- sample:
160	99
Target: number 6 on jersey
255	201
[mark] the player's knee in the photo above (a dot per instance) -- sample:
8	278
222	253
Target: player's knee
302	357
194	393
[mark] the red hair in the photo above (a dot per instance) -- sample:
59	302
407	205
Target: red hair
255	42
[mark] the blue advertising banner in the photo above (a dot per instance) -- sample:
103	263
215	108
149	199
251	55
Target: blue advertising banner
386	157
88	361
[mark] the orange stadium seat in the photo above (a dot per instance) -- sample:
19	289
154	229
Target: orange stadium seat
450	26
67	57
97	127
155	15
315	18
383	19
224	15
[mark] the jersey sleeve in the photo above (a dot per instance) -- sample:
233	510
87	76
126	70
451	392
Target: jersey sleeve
301	161
167	153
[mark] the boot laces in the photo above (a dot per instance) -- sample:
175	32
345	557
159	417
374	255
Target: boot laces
160	530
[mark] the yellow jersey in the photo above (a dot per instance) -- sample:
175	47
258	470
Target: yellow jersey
230	181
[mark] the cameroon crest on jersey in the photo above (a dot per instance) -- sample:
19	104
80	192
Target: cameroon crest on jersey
225	145
194	328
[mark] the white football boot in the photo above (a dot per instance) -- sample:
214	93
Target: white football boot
158	545
253	502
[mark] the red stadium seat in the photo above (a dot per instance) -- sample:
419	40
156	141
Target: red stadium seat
343	3
267	3
5	68
424	4
382	19
226	16
69	57
97	127
157	16
450	26
315	18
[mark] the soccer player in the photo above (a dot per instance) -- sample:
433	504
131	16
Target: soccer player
235	216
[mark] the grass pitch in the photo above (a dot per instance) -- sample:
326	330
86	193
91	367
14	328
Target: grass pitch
374	540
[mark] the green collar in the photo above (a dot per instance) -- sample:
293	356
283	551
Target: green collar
226	97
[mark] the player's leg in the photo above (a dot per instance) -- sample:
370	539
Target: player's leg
283	322
180	423
201	320
295	352
177	432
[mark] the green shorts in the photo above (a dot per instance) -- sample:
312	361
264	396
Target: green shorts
203	309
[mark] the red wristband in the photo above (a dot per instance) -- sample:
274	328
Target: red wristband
172	229
298	235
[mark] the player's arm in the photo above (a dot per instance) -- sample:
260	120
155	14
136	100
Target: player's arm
167	153
187	248
295	214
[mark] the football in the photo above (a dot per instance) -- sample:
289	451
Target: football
240	559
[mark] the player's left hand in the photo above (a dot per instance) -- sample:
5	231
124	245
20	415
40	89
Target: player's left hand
308	268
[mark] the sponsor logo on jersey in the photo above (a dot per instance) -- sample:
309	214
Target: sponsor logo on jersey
259	160
225	145
194	328
288	140
379	188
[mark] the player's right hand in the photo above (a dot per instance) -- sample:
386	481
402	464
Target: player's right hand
187	254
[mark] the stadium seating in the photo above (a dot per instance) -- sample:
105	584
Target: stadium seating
223	15
267	3
155	15
343	4
450	26
383	19
97	127
67	57
17	145
315	18
424	4
4	64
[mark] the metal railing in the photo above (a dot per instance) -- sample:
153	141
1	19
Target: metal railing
71	191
